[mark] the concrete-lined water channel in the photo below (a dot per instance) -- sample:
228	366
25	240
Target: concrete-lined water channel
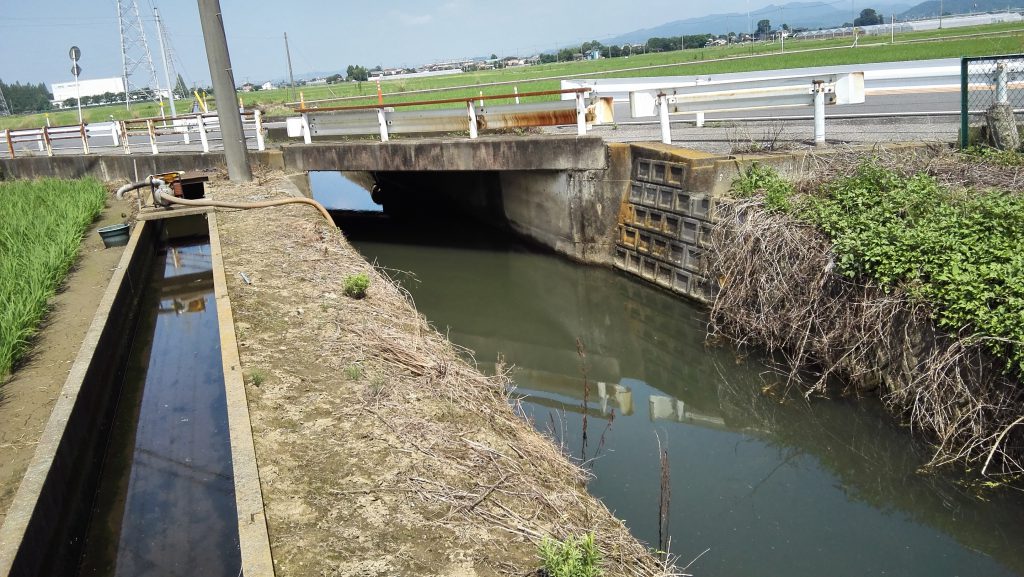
769	483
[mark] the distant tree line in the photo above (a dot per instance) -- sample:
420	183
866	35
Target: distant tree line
22	98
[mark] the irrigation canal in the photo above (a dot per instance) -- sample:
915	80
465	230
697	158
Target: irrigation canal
767	483
166	500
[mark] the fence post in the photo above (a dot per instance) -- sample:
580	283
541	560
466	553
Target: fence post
201	127
472	119
124	137
382	122
965	121
47	142
581	115
1001	95
10	145
85	139
307	136
152	136
819	113
258	117
666	132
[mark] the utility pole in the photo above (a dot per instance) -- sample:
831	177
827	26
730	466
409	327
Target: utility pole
163	54
235	153
291	78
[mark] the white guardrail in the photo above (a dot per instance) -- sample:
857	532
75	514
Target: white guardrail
815	90
917	76
128	135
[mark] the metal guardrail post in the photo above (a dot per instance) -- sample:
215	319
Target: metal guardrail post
113	134
151	128
819	112
260	143
124	137
581	115
964	113
186	136
666	132
515	89
41	141
201	127
47	142
472	119
382	121
10	144
699	123
85	139
307	136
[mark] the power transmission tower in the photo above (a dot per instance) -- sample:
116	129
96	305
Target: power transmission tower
135	54
4	109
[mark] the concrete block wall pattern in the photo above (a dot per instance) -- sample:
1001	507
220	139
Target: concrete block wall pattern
664	228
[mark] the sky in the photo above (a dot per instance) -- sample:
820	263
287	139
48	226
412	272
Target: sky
324	35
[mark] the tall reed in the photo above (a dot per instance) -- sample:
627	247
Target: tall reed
41	226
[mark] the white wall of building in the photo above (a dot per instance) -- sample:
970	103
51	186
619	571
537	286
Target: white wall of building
64	90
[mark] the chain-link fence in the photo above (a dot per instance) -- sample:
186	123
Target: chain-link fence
992	101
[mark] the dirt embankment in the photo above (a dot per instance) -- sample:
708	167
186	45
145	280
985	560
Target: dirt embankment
28	396
382	452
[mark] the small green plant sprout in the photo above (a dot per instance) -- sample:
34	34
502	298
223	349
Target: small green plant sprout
356	285
257	377
574	557
760	179
353	372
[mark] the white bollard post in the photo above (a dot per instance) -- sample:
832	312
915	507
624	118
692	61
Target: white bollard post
700	120
819	113
260	143
581	115
666	132
201	127
1001	94
382	121
472	119
152	136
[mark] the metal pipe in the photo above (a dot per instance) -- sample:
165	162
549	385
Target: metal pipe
235	153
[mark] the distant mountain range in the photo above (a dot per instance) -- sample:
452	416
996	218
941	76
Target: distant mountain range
811	15
931	7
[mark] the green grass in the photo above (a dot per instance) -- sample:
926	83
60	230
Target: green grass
356	285
948	43
41	226
570	558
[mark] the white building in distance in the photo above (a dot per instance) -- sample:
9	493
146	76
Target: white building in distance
64	90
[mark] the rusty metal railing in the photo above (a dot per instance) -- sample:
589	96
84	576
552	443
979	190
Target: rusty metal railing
472	116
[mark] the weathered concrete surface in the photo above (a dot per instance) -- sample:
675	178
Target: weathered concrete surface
113	167
574	212
439	154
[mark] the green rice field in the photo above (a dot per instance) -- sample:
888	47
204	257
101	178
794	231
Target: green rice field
41	227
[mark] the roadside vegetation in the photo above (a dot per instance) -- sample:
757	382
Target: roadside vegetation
41	226
742	57
901	273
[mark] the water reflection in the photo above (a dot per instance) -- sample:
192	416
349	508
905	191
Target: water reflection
773	484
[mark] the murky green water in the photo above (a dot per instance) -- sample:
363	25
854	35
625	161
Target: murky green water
769	484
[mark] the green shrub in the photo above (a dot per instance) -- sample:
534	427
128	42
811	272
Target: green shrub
575	557
963	253
356	285
760	179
